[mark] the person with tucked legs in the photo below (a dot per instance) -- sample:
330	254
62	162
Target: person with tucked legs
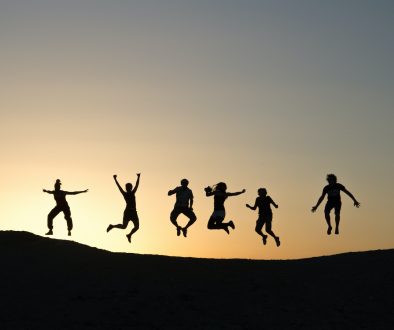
220	195
183	205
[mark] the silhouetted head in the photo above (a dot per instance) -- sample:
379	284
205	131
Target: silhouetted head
57	184
331	178
221	186
184	182
262	192
129	187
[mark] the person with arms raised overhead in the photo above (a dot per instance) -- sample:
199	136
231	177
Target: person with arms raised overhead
220	194
184	205
263	202
130	212
332	190
61	206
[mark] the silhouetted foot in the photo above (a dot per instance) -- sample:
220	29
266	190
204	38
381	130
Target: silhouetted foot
178	231
329	230
129	237
336	231
265	239
184	231
69	233
109	228
50	232
231	224
277	241
226	230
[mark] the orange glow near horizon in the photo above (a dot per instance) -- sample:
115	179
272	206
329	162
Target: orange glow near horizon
254	95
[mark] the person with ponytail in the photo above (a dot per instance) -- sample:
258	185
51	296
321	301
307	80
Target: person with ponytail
219	191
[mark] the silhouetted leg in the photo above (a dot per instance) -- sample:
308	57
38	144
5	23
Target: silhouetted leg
67	216
327	211
268	229
173	217
136	223
192	219
337	218
126	218
217	223
258	230
54	212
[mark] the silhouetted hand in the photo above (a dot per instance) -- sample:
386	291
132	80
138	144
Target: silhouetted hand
276	206
314	209
138	174
357	204
44	190
115	176
243	190
86	190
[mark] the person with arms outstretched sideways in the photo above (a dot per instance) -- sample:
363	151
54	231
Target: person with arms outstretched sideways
333	190
130	212
184	205
263	202
61	206
220	195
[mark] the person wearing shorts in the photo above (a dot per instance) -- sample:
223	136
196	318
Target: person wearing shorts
183	205
61	206
263	203
130	212
333	190
219	213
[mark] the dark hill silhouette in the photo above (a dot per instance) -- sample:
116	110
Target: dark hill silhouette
53	284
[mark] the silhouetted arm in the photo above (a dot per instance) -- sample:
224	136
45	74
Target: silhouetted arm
137	183
172	192
48	191
191	202
347	192
235	193
273	203
319	201
76	192
117	183
254	207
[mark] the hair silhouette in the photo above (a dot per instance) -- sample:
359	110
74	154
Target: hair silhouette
333	192
183	205
130	212
61	206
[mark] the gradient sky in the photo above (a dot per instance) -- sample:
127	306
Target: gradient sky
271	94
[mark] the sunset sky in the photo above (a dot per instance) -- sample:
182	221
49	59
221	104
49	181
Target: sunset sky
272	94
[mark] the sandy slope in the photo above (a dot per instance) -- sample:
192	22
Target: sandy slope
52	284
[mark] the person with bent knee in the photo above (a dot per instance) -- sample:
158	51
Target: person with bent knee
220	194
183	205
61	206
130	212
263	203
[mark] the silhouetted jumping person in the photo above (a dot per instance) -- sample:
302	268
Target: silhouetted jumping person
220	195
184	205
61	206
263	202
130	212
332	190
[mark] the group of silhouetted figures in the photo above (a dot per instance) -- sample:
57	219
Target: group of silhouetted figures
184	205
